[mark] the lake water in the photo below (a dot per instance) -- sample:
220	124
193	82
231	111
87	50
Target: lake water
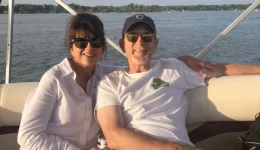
39	39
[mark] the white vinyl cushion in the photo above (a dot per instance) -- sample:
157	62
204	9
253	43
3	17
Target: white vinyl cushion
13	97
230	98
1	122
225	99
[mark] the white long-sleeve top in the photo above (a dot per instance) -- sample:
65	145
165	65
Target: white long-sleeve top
58	114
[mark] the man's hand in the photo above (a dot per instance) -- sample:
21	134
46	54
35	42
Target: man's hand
186	147
96	148
197	65
217	71
179	147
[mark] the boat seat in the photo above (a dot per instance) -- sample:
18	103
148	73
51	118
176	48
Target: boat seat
217	115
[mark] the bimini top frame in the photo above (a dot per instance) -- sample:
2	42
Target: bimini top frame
9	40
228	29
73	12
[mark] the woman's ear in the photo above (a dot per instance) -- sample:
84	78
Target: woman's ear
71	51
122	45
71	48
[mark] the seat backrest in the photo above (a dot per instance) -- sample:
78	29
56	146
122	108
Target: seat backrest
12	100
230	98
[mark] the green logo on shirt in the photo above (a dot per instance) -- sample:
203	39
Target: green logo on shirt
158	83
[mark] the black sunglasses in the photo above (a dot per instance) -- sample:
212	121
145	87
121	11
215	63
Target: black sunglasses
146	37
82	43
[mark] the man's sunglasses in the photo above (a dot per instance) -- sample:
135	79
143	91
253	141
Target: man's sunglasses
82	43
146	37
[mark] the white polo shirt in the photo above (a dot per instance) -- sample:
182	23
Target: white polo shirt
58	114
152	102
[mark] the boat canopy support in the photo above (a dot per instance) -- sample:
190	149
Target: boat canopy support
228	29
9	41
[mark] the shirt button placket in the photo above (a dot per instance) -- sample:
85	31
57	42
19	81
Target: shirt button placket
87	121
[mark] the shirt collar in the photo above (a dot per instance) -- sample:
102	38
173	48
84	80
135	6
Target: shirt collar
67	69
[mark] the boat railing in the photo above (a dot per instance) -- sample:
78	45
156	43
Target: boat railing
225	32
73	12
9	41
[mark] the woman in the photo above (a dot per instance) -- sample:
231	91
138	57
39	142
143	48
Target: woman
58	115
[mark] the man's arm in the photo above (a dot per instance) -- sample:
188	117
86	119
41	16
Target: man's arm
224	69
196	64
120	138
232	69
235	69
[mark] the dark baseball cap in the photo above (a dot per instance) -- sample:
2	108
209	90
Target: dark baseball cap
138	18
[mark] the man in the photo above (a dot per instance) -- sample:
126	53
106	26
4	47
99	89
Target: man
144	106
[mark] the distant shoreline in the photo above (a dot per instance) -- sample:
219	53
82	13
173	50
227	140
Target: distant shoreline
132	12
134	4
47	8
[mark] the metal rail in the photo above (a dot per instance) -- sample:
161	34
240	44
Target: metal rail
228	29
9	41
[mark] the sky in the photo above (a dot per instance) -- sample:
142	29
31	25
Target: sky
125	2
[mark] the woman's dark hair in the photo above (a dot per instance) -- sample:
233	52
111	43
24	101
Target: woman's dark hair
85	23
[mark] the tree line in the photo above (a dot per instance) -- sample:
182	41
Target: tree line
32	9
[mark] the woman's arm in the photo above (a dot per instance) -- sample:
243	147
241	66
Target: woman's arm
35	118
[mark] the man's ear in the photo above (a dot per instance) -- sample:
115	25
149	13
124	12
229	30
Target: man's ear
122	45
156	42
